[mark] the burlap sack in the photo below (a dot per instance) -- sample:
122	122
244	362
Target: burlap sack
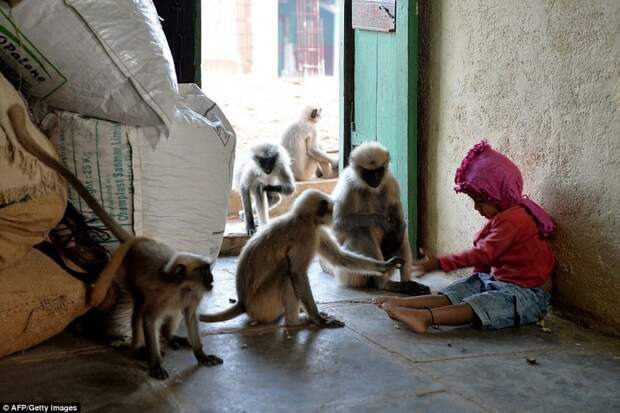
32	196
37	300
25	224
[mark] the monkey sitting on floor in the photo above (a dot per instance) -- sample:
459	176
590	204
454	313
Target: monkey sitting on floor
368	219
262	174
307	157
164	285
272	273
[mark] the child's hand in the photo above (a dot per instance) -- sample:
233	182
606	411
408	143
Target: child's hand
425	265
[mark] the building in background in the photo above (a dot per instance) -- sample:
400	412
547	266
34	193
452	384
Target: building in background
292	38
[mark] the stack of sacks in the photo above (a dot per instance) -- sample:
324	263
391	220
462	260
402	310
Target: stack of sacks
159	156
173	189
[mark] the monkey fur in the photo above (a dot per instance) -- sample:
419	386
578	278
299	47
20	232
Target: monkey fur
368	219
308	159
262	174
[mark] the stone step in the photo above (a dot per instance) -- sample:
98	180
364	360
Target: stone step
235	236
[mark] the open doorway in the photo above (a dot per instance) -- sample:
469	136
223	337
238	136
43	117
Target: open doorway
262	62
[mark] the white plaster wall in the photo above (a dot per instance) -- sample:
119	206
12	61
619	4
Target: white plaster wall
540	80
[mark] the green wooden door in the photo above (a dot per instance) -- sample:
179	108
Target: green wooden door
384	98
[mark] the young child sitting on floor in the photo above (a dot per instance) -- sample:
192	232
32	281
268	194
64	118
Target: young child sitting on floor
511	258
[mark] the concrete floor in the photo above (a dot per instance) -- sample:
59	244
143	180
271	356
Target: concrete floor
372	364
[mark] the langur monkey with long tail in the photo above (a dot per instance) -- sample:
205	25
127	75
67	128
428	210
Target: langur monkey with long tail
263	173
368	219
308	159
272	273
165	285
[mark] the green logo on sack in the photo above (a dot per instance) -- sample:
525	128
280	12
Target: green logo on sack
36	74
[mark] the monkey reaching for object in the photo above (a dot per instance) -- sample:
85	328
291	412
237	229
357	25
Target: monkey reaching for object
307	157
272	273
164	285
263	173
368	219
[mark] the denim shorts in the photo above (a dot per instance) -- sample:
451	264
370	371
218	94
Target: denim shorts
498	304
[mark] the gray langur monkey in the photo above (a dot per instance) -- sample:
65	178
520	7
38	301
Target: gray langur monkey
164	285
272	273
263	173
368	219
307	157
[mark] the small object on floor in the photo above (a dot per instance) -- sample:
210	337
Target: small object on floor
253	323
244	346
532	361
117	343
543	327
396	326
232	300
449	344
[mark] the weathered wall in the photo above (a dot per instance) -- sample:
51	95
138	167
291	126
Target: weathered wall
540	80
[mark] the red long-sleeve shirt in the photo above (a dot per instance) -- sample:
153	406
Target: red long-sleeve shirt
510	248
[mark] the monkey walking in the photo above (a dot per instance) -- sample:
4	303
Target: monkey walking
272	273
165	285
262	174
307	157
368	219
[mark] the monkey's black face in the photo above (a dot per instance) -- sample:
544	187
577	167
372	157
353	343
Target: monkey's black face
207	276
373	177
266	164
325	208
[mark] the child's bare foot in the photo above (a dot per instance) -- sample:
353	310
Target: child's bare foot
385	299
388	307
417	320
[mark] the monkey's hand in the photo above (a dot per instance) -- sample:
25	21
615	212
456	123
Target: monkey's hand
208	359
272	188
250	229
329	322
428	263
158	372
395	262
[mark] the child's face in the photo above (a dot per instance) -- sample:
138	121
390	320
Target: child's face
485	208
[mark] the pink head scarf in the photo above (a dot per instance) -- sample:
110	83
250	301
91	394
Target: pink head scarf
490	175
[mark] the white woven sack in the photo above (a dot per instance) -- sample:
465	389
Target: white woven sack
107	59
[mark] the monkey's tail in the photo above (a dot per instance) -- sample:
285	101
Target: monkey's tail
228	314
17	116
101	286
